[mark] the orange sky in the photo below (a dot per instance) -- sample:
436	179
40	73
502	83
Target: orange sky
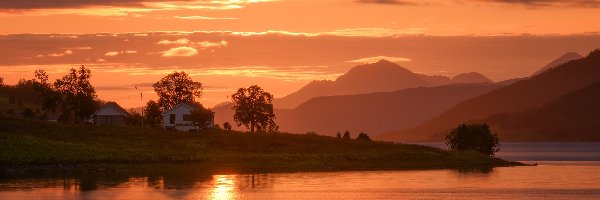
282	45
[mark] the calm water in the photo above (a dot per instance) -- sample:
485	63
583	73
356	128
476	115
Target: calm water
569	178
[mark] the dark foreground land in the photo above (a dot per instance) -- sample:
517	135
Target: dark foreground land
33	146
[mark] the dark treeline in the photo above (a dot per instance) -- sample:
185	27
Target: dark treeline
72	99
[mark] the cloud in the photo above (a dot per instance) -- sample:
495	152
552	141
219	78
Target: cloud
204	18
77	48
376	32
169	42
207	44
46	4
116	7
388	2
180	52
111	53
377	58
351	32
547	3
61	54
115	53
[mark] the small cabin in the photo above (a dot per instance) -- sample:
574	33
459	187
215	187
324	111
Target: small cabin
111	114
178	118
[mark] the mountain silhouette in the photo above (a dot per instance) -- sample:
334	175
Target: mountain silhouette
572	117
376	112
471	77
372	113
569	56
527	94
382	76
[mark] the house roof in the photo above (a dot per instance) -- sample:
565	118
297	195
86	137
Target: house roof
192	106
111	105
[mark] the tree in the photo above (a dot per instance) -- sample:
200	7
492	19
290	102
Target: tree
134	118
77	95
346	135
339	135
363	136
473	137
73	94
254	109
177	88
227	126
201	117
153	114
1	81
49	97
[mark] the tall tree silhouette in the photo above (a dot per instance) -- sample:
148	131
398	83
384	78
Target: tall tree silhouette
254	109
176	88
78	93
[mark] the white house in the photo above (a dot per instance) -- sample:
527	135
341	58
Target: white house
178	118
110	114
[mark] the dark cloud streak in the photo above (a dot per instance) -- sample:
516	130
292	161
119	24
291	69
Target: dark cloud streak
550	3
58	4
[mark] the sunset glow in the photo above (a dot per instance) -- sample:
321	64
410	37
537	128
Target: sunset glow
284	44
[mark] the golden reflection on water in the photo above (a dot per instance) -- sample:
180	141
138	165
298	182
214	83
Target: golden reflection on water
223	187
546	181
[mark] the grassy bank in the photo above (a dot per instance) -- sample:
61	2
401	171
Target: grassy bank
34	144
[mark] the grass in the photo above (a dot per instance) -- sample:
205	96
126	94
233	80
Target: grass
30	144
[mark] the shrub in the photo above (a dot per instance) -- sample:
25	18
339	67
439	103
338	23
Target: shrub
227	126
473	137
311	133
346	135
363	136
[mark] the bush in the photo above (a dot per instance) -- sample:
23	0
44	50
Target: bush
347	135
311	133
227	126
473	137
363	136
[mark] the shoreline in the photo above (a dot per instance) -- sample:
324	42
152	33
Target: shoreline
33	146
53	170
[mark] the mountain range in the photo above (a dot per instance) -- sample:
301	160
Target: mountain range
558	103
349	103
537	94
382	76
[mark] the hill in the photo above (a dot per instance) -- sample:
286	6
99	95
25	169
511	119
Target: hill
383	76
36	145
371	113
572	117
471	77
569	56
528	94
376	112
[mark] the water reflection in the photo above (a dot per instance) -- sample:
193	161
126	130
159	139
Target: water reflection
223	187
550	181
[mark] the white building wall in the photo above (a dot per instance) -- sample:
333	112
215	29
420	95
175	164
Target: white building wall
179	124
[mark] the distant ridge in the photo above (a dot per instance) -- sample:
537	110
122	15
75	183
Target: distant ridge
572	117
527	94
382	76
569	56
471	77
372	113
